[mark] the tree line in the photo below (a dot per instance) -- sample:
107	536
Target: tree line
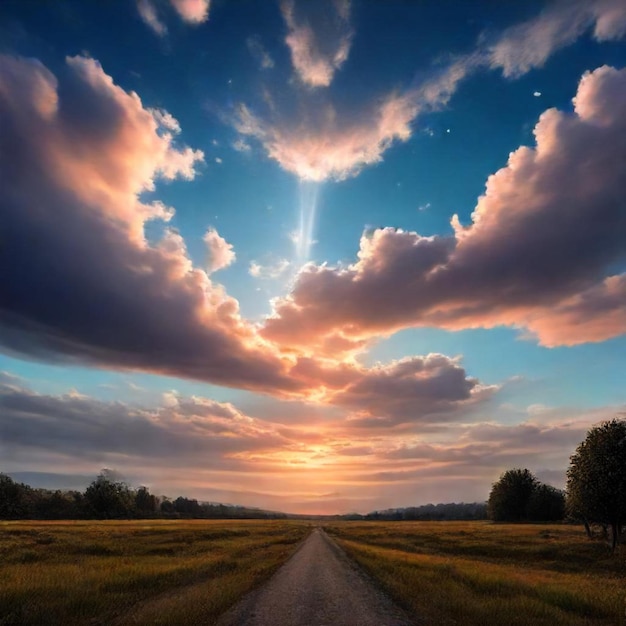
460	511
595	494
110	498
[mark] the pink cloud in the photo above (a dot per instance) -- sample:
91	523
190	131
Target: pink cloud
108	295
319	38
529	45
229	455
538	254
190	11
410	390
93	290
325	143
221	253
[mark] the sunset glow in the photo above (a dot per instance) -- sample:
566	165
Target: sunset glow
314	257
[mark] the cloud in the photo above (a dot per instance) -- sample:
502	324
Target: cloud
323	143
270	271
252	461
539	254
528	45
190	11
240	145
411	390
89	286
260	54
221	253
329	147
148	13
166	120
319	38
198	430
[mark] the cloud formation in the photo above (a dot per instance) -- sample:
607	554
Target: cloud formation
544	239
269	271
197	430
81	282
85	283
319	38
260	54
190	11
332	466
221	253
323	143
528	45
148	13
412	390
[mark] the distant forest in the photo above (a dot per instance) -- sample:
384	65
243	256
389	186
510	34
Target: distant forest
109	498
434	512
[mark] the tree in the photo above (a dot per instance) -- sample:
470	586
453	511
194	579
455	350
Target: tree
596	478
110	498
510	495
15	498
146	503
546	504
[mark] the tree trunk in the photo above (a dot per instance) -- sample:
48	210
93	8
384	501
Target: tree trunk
587	528
615	533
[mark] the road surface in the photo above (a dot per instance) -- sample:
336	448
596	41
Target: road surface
318	586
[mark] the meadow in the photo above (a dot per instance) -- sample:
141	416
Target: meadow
483	573
135	572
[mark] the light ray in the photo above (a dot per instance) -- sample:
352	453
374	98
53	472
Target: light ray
309	196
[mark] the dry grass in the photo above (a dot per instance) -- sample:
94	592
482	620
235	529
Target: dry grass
142	572
482	573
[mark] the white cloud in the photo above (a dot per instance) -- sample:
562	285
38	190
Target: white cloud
148	13
270	271
260	54
221	253
319	47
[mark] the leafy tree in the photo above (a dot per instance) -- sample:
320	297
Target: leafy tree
146	503
596	478
110	498
167	507
15	498
57	504
546	504
510	495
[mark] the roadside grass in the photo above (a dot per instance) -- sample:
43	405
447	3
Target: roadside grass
476	573
135	572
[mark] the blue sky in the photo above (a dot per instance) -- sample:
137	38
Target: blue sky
230	226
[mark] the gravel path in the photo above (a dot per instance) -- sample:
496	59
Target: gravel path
318	586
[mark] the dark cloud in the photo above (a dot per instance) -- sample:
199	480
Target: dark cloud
79	281
189	431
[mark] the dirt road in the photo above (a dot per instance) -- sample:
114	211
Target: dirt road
318	586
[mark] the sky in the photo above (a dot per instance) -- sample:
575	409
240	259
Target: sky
312	257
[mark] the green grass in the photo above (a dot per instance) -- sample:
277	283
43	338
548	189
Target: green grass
140	572
482	573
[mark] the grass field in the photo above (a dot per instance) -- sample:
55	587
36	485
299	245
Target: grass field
140	572
482	573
